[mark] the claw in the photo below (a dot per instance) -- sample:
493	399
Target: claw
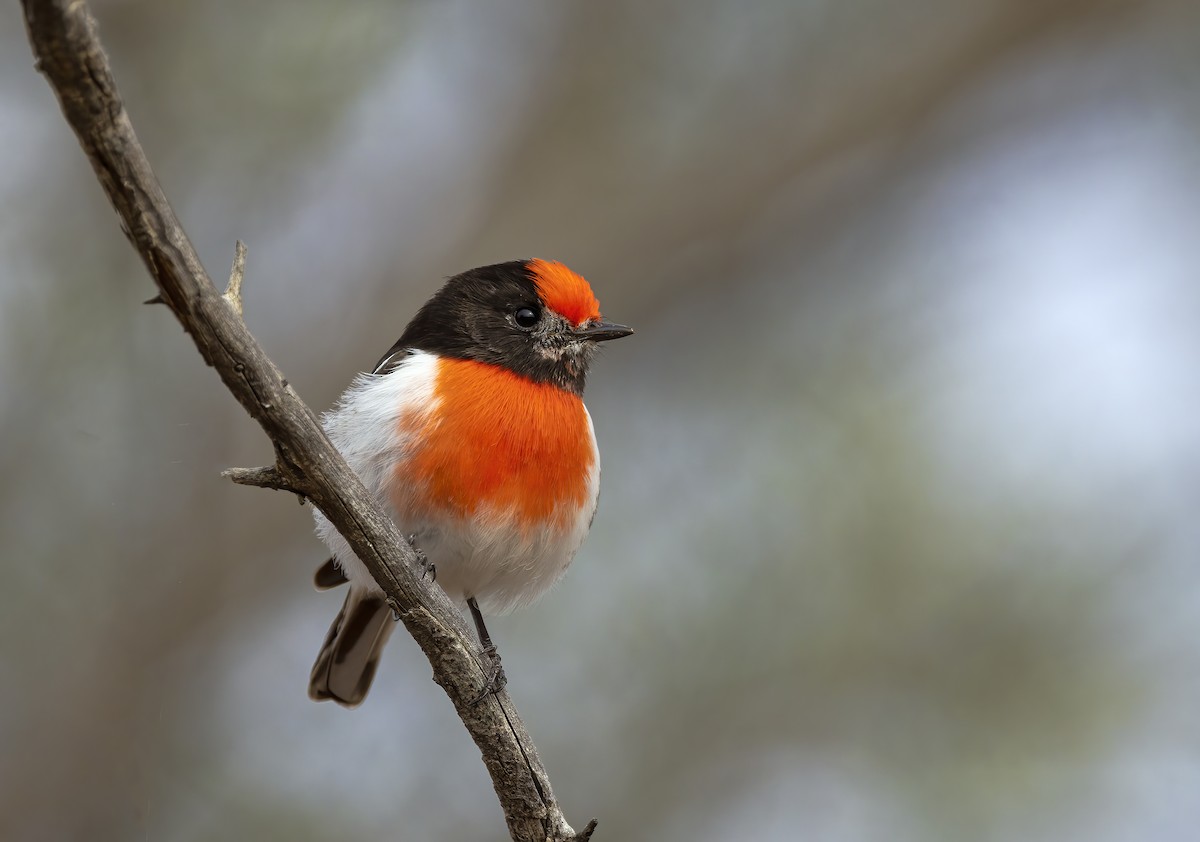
428	568
495	681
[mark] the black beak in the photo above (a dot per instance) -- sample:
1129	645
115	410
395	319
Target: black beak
603	331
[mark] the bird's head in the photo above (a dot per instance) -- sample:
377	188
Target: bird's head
536	318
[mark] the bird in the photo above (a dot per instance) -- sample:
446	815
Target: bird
471	431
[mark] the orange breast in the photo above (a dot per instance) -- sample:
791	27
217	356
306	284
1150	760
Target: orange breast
499	442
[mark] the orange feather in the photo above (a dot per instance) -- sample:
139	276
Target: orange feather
564	291
502	442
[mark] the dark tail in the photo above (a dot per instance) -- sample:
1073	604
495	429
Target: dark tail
348	660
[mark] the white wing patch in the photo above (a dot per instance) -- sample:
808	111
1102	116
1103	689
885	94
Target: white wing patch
366	426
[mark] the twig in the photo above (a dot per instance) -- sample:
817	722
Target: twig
265	477
233	290
67	50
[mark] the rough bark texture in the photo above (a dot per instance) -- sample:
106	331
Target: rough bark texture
68	51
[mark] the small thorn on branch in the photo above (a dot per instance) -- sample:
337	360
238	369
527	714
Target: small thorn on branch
158	299
265	477
233	291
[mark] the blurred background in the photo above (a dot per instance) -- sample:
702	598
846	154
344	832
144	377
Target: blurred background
898	537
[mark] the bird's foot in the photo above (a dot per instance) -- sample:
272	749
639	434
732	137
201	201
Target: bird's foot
495	680
428	568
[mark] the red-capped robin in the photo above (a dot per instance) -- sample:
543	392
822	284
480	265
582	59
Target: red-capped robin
472	432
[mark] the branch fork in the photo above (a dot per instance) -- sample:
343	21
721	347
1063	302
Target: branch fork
268	476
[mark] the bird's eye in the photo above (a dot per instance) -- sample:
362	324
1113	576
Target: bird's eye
525	317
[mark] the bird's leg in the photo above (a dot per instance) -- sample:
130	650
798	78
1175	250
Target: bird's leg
496	679
428	568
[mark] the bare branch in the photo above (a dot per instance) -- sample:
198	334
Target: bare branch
67	50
